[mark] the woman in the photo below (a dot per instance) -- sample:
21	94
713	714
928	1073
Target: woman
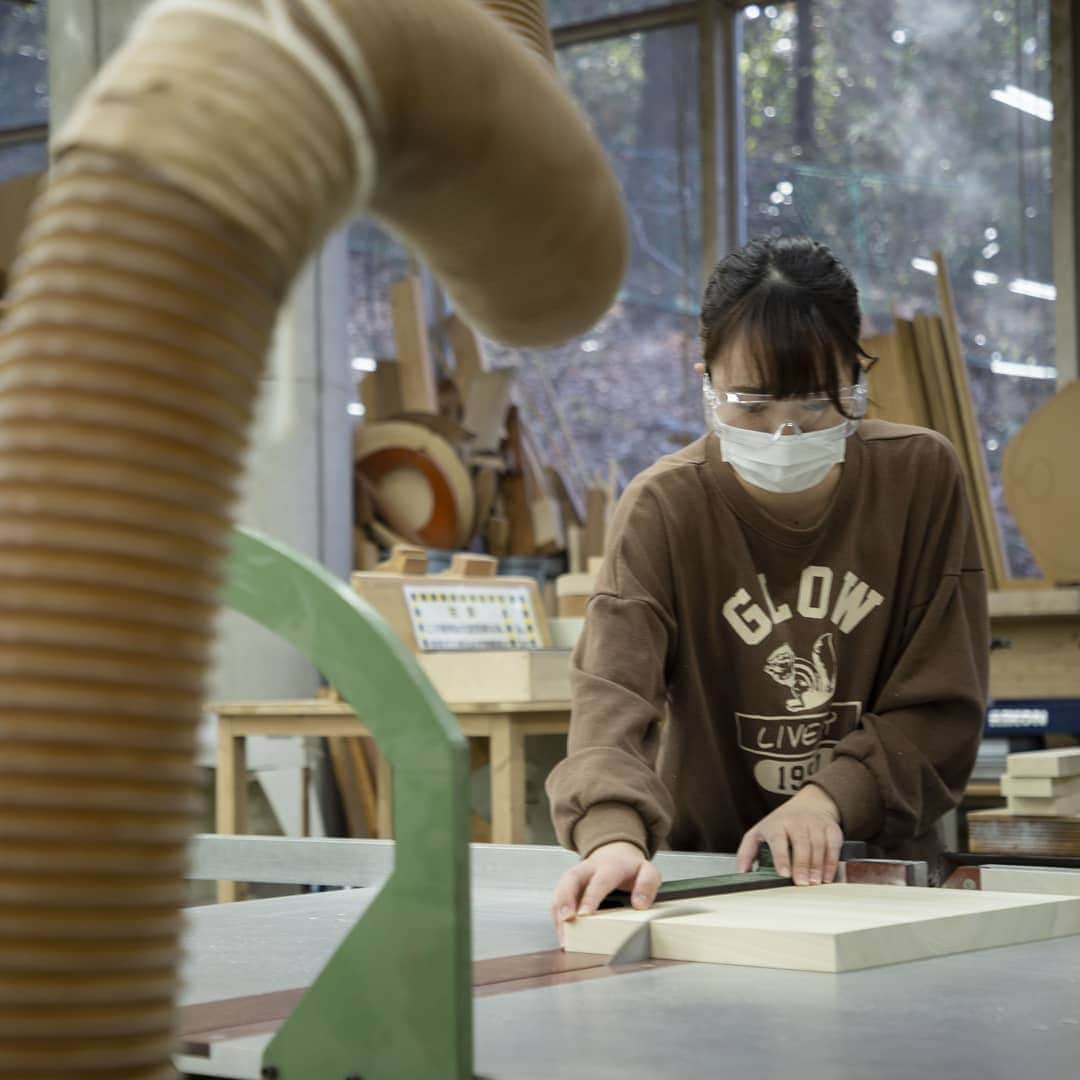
798	592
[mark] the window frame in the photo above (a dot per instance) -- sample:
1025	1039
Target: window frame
723	160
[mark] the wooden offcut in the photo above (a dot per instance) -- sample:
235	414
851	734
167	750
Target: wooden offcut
470	359
487	398
380	391
831	928
416	371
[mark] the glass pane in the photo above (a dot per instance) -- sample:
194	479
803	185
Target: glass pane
24	67
626	392
22	157
867	128
376	261
568	12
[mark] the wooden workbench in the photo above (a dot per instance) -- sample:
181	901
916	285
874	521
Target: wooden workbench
504	726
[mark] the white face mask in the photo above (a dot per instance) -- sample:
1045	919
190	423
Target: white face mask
783	462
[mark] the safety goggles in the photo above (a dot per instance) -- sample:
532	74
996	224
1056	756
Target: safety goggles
787	415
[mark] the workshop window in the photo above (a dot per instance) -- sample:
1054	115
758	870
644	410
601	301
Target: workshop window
565	12
890	128
626	392
24	88
376	261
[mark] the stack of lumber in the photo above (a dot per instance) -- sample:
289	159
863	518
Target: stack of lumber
921	378
1043	815
1044	783
444	459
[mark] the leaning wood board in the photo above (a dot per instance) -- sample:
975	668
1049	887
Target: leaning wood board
832	928
997	569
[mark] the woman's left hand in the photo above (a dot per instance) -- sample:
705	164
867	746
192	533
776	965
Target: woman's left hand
804	836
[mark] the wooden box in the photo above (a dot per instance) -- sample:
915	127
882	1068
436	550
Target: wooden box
502	677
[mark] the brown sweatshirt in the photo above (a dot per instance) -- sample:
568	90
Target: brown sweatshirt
852	655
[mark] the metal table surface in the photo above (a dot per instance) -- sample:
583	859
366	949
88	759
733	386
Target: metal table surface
1000	1013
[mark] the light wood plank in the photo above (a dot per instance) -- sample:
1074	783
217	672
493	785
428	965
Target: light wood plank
1040	787
835	928
1066	806
1031	879
1055	763
997	569
470	359
415	369
895	395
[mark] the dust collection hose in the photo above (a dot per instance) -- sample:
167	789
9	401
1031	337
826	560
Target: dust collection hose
199	171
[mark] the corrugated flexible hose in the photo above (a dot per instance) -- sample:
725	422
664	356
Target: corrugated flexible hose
200	170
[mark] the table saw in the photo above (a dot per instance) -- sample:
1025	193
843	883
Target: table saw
1001	1012
298	989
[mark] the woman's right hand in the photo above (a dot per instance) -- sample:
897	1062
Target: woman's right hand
618	865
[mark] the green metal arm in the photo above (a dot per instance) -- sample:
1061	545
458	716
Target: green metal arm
395	1000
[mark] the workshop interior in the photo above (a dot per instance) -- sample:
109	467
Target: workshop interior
346	347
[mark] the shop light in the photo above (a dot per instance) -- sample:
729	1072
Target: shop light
1039	289
1025	101
1023	371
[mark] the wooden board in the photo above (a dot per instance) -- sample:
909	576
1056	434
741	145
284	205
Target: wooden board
466	678
1040	787
904	331
416	371
894	393
1055	763
470	359
380	391
1039	476
487	398
939	404
833	928
1000	833
1030	879
996	568
1065	806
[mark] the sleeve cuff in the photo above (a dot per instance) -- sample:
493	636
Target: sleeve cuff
604	823
852	786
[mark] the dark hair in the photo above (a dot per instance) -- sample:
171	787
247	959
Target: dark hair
794	309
